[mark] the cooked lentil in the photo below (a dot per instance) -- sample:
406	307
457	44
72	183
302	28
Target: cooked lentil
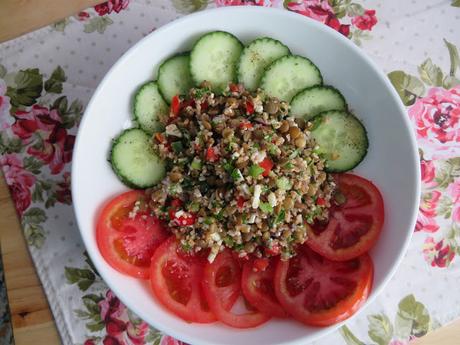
246	175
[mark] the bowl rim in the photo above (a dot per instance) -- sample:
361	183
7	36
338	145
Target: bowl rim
259	10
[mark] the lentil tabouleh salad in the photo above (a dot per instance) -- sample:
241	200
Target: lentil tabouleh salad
239	162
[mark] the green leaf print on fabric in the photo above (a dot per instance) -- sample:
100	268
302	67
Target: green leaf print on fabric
70	115
412	318
84	278
189	6
448	170
33	165
454	58
455	3
9	144
2	71
98	24
34	215
349	337
380	329
26	88
430	73
54	83
355	10
33	230
407	86
60	25
153	337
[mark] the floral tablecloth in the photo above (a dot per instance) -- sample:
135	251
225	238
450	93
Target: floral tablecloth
48	76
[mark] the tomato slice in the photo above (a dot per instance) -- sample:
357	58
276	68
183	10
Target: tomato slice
258	288
175	278
321	292
222	285
354	225
127	243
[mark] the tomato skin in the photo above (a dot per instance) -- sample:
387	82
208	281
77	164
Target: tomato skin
175	106
240	201
217	295
267	165
246	125
116	235
356	275
211	155
234	87
249	108
354	226
175	280
258	288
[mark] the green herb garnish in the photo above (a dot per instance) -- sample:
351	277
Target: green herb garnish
283	183
196	164
265	207
280	217
236	175
255	170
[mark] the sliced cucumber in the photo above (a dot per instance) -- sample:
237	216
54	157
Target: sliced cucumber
174	77
149	107
342	138
316	99
285	77
214	57
256	57
134	161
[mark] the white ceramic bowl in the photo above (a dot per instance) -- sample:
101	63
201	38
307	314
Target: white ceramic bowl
391	163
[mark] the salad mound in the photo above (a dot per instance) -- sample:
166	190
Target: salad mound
241	174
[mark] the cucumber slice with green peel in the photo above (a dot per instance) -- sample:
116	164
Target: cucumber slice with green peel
285	77
256	57
174	77
341	138
214	58
134	160
149	107
316	99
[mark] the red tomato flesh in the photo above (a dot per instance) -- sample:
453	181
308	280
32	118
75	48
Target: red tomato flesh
128	243
267	165
175	278
321	292
354	225
258	288
222	283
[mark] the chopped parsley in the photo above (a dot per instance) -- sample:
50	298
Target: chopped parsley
255	170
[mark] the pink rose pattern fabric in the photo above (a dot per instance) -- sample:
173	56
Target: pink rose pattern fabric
38	133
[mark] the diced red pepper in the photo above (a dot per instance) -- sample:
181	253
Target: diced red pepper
246	125
188	102
249	108
240	202
211	155
160	138
260	264
234	87
175	106
273	251
321	202
267	165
